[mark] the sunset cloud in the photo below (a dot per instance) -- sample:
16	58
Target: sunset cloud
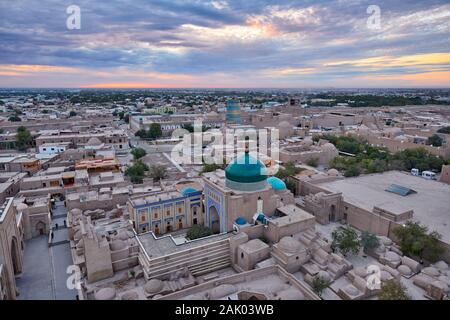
224	43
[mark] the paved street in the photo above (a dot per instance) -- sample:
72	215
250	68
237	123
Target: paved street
44	273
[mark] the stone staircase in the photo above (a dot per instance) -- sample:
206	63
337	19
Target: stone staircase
199	260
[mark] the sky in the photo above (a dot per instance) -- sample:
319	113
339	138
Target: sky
225	44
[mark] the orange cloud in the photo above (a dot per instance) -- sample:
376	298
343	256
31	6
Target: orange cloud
28	69
390	61
435	78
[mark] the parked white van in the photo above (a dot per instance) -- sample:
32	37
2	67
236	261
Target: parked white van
429	175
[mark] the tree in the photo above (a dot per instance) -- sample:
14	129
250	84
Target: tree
290	185
141	134
444	130
72	113
158	172
289	170
137	171
209	167
14	119
352	171
319	284
23	138
435	140
198	231
189	127
393	290
138	153
313	162
345	240
369	240
155	131
415	240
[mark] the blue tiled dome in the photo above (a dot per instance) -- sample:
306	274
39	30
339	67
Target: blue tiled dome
186	191
241	221
246	169
276	183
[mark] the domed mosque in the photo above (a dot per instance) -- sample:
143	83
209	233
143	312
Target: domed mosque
246	173
242	194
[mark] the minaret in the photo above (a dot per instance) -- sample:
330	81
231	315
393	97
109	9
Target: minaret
259	206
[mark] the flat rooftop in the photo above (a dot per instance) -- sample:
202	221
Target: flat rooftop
431	202
165	245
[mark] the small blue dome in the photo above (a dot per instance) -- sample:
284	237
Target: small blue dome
261	217
276	183
186	191
241	221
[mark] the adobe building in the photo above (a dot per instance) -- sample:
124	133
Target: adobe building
168	211
11	250
378	202
241	193
445	174
36	215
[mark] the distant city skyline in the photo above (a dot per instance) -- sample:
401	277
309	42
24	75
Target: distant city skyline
225	44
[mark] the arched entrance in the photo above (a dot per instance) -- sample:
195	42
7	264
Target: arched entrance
40	228
332	213
214	220
15	256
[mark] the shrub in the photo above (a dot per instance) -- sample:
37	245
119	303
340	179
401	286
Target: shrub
393	290
198	231
345	240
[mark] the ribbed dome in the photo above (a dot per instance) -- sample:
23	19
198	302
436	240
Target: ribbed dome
153	286
276	183
93	142
289	245
246	169
130	295
333	172
188	190
105	294
21	206
117	245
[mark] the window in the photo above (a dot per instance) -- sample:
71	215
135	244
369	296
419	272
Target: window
168	212
142	217
194	221
155	216
179	210
242	255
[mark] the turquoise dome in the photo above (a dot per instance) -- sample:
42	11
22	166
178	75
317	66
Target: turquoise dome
188	190
240	221
276	183
246	169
